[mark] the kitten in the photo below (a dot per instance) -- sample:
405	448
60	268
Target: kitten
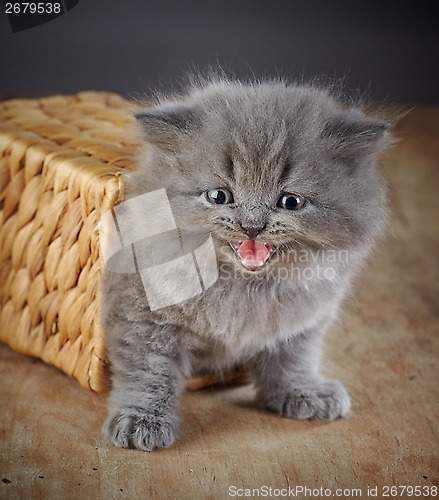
279	182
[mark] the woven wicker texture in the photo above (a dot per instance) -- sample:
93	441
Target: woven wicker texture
61	165
61	160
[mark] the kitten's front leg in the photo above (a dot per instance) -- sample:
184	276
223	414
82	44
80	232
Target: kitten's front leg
289	383
147	384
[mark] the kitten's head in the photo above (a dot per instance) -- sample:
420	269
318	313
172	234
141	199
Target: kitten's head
266	168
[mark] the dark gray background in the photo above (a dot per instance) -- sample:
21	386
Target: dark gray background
130	46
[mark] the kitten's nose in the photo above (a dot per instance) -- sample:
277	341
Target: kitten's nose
253	230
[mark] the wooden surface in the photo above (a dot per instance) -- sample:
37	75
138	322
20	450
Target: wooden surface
384	348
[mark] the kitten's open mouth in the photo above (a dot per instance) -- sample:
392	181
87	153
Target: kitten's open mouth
253	254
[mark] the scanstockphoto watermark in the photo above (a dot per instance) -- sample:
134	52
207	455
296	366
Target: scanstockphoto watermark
306	256
141	236
298	491
24	14
279	274
301	265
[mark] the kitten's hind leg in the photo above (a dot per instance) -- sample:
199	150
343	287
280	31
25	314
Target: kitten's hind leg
147	384
289	383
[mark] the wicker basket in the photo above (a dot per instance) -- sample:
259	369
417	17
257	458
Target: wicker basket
61	160
60	163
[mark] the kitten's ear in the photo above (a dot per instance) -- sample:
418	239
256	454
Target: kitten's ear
353	134
162	125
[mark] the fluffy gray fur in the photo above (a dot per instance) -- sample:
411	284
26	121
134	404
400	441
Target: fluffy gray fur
258	140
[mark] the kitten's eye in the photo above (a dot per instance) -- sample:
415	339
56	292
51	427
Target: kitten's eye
291	201
219	196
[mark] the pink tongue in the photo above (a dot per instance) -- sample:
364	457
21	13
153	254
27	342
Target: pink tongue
253	254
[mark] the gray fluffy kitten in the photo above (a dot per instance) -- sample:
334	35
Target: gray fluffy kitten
283	177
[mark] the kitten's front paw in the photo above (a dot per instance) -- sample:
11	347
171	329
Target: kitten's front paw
142	431
323	400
